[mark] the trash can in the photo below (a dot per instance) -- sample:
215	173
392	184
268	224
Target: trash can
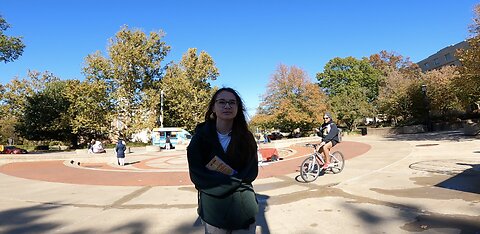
364	131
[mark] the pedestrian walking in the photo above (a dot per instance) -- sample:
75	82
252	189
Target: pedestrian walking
167	142
120	149
90	146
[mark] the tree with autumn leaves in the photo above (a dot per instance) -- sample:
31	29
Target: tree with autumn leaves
468	82
352	89
125	85
291	101
399	96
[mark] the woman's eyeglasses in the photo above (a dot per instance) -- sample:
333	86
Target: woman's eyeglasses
223	102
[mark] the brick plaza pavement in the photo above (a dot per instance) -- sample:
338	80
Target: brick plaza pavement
398	184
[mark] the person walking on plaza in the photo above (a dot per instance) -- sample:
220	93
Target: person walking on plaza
329	133
90	146
120	149
223	163
167	142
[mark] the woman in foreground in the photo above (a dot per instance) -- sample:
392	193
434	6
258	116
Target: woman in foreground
222	160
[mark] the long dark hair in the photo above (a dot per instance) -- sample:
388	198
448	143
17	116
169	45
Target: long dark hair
242	139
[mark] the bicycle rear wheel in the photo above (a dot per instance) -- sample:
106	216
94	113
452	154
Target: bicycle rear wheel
338	162
309	169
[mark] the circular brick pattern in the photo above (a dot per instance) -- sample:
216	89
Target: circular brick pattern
157	170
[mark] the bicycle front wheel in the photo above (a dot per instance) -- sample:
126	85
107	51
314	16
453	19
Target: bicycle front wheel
338	162
309	169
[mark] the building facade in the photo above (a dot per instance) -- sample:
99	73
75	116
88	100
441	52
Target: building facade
444	57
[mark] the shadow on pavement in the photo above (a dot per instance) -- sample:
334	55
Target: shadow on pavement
131	163
197	227
262	222
467	181
135	227
32	220
423	221
432	136
28	219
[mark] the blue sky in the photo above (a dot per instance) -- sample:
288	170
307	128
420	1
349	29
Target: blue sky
247	39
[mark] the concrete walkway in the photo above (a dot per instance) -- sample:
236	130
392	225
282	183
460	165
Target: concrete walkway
425	183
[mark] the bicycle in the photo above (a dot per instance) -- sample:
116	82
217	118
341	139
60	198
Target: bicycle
312	166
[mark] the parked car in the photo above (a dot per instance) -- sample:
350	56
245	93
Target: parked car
13	150
275	136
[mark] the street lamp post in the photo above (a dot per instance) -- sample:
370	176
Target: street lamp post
161	108
427	108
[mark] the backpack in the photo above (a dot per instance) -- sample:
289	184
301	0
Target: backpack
340	134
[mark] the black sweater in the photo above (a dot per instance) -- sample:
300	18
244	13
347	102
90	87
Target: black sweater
225	201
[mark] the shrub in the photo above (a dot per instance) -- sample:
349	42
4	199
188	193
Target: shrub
55	143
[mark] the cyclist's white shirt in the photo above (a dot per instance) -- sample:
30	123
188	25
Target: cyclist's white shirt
224	140
327	129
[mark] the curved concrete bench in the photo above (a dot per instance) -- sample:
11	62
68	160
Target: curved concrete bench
153	148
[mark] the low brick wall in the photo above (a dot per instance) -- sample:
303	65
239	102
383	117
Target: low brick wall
447	126
412	129
383	131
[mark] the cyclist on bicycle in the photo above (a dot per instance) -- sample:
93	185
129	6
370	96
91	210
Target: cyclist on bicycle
329	133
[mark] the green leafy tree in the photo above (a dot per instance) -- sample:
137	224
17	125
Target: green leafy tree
6	121
343	77
6	127
3	111
90	112
7	130
14	100
291	101
187	89
46	115
347	74
351	107
17	90
132	73
10	47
